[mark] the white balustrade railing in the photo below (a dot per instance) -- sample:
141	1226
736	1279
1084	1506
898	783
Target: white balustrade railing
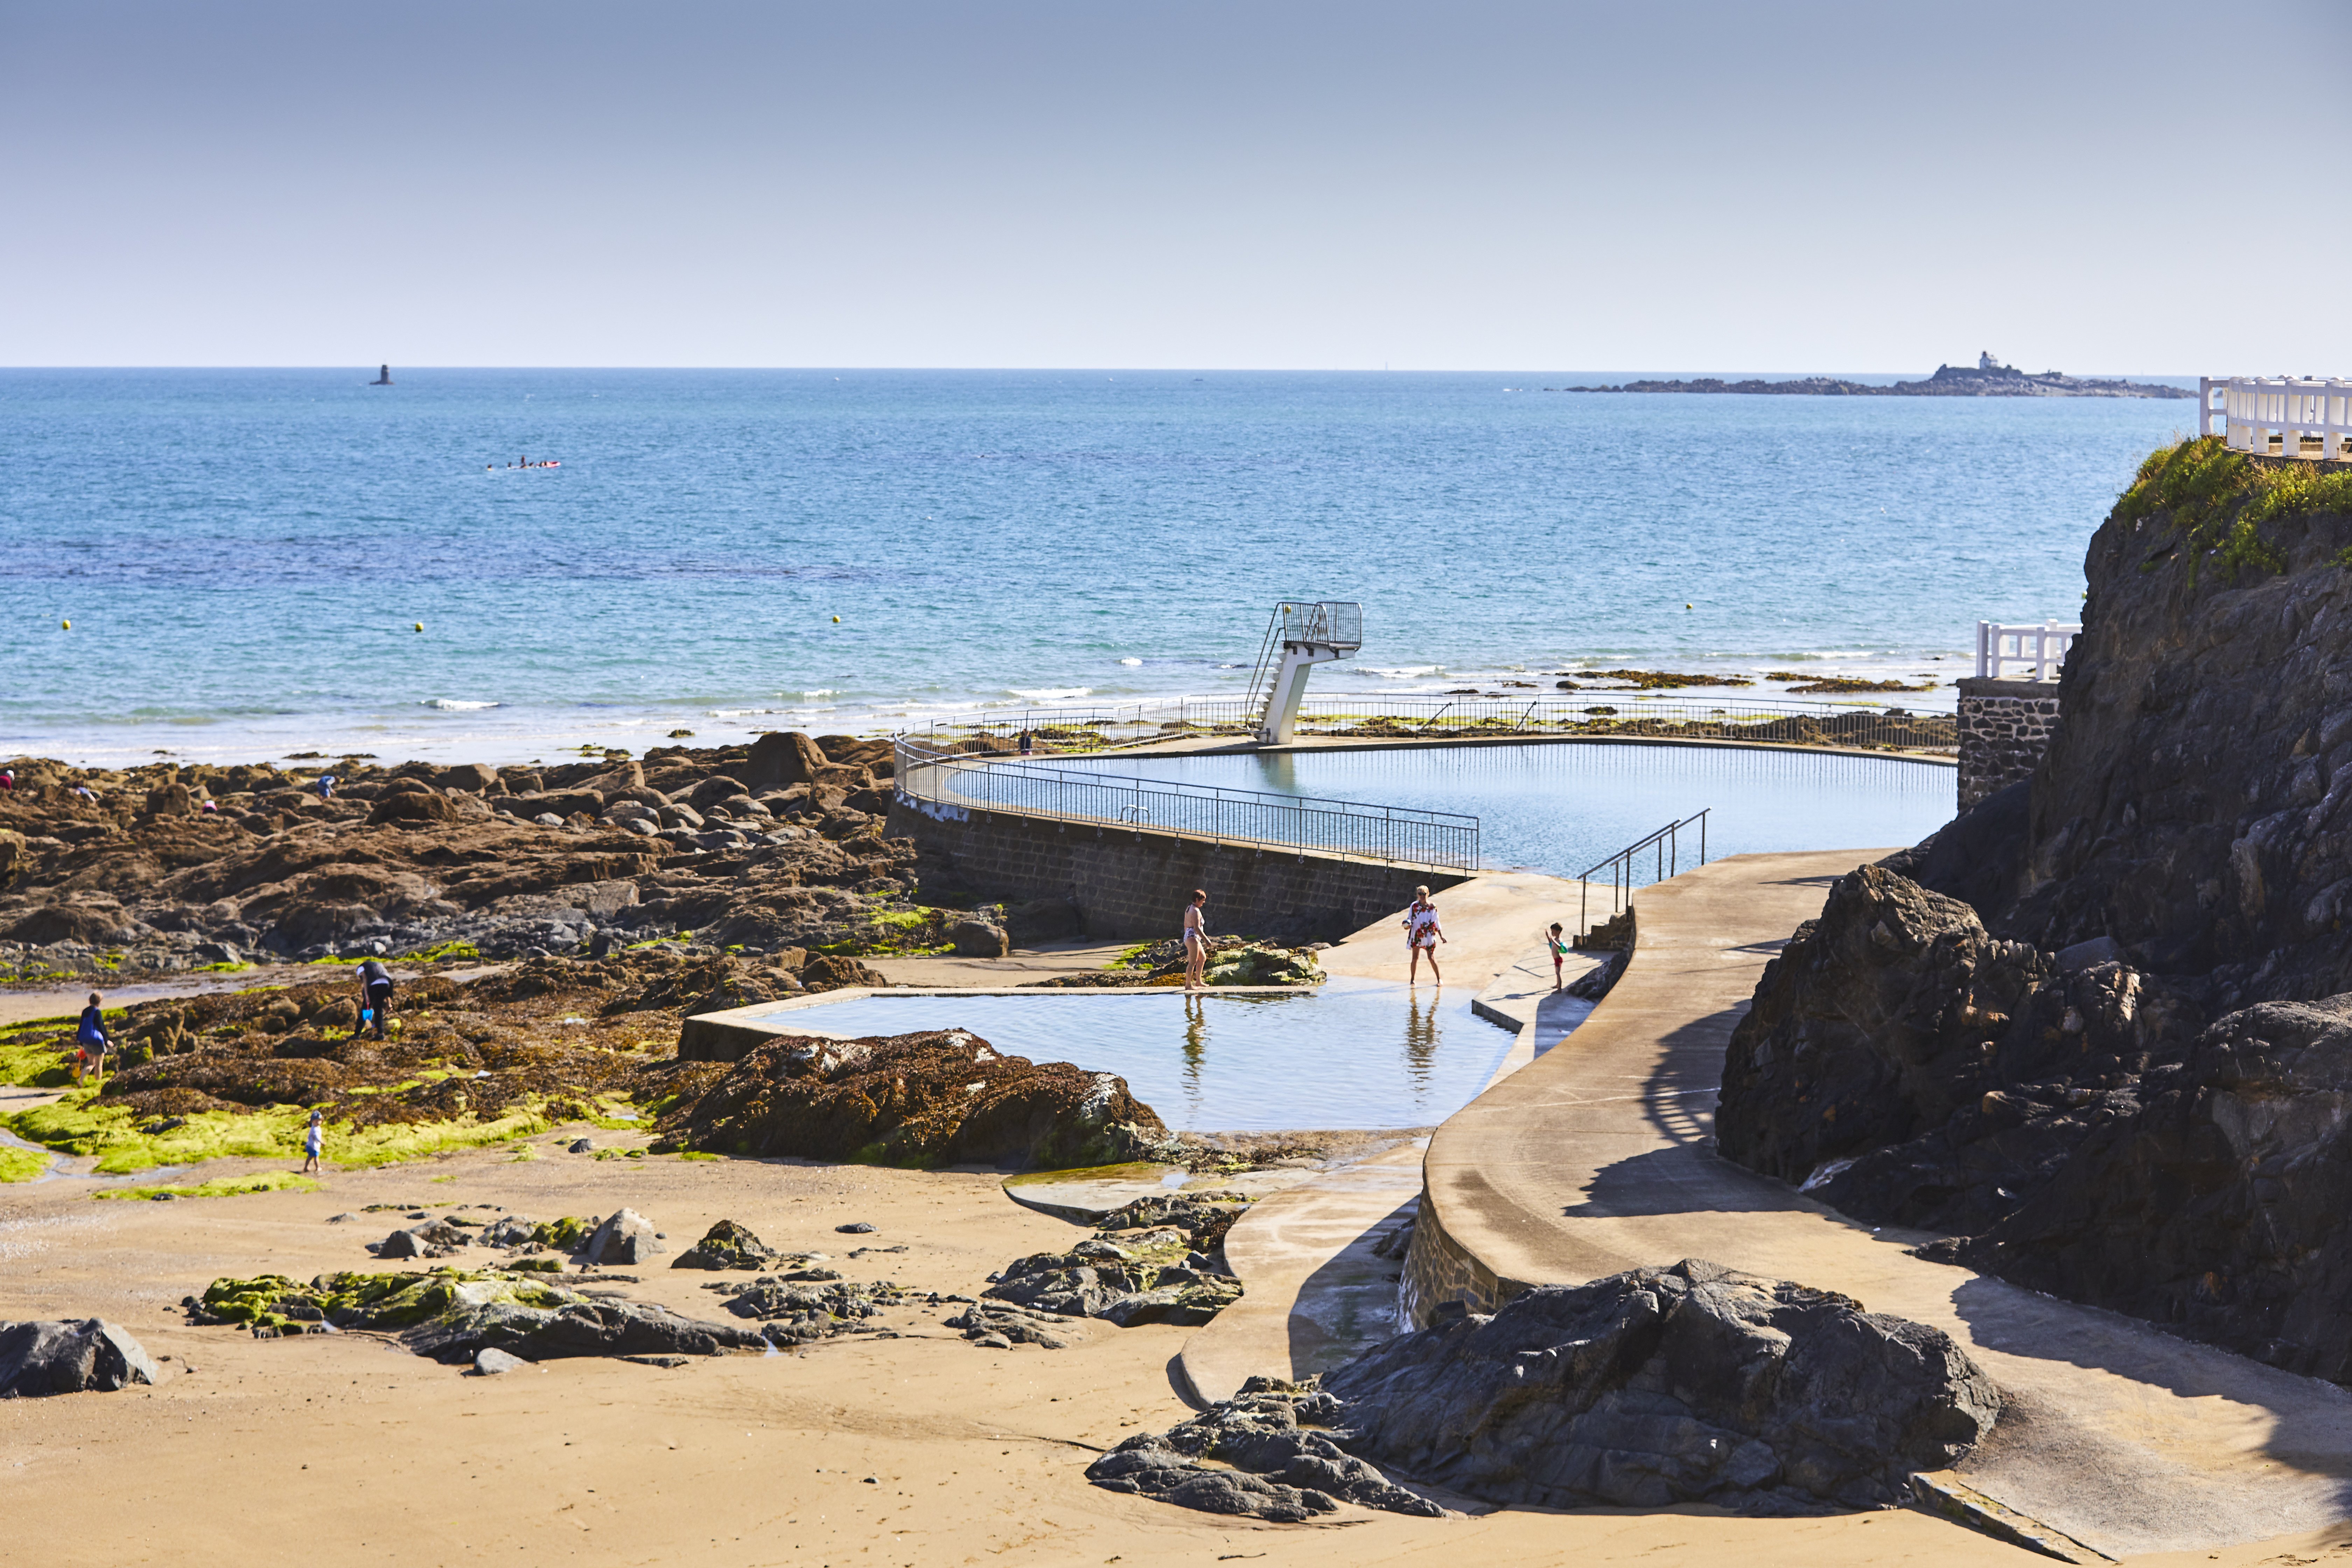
2042	649
2280	416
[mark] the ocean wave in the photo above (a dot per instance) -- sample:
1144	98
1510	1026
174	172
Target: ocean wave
1130	661
1402	672
456	705
1053	693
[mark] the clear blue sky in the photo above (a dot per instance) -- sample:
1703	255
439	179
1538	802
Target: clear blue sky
1546	185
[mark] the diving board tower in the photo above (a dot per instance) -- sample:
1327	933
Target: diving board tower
1299	635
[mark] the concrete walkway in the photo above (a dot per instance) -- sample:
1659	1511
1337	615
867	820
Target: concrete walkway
1316	1294
1598	1157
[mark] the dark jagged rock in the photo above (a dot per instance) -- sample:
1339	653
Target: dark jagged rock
88	1356
940	1097
2220	1203
1259	1455
1648	1389
2179	855
727	1246
1692	1384
822	1307
1903	1065
452	1316
986	1323
1145	1263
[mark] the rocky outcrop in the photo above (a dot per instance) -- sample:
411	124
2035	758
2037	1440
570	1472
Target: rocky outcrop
2110	1064
2218	1197
808	1305
1648	1389
451	1315
91	1356
1259	1455
727	1246
413	859
1906	1066
941	1097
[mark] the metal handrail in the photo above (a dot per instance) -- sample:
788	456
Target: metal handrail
1667	841
1391	834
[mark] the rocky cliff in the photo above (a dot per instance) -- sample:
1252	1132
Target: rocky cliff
2096	1030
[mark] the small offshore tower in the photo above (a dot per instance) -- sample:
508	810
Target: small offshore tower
383	376
1299	637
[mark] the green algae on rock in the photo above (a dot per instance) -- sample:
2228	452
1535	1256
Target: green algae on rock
451	1315
923	1099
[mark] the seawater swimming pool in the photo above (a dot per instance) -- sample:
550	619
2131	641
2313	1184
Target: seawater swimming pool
1354	1054
1561	806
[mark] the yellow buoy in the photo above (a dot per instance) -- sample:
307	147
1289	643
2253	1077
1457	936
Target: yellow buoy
420	626
67	624
1685	607
836	620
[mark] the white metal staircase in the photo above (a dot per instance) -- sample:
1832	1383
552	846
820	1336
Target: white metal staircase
1299	635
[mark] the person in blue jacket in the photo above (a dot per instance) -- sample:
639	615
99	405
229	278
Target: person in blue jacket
92	1041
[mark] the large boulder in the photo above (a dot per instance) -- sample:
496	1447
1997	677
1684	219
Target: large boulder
941	1097
1660	1386
90	1356
413	808
1902	1064
727	1246
781	759
1650	1389
627	1238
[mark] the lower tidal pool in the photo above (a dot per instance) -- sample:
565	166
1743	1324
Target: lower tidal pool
1354	1054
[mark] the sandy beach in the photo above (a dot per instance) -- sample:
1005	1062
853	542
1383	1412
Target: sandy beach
343	1448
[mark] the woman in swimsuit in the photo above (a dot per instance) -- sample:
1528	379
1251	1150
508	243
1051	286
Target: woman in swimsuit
1422	935
1196	941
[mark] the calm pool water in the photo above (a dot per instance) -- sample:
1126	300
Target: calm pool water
1358	1054
1562	806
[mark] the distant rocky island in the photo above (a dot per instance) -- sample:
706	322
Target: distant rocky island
1988	378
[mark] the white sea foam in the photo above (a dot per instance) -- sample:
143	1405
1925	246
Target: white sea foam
1403	672
456	705
1130	661
1053	693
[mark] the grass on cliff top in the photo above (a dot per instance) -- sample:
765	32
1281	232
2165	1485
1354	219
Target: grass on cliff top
219	1187
2221	499
79	1125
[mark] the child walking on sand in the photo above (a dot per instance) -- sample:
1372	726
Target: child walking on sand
314	1142
1559	951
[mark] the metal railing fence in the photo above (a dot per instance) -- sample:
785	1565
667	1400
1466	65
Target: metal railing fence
1372	716
1665	844
1392	834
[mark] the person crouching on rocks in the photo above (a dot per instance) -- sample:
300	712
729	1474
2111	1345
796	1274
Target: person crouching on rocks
90	1042
1422	935
314	1140
1196	941
375	998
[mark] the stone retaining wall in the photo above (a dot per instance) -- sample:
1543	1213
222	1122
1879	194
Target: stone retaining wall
1135	884
2005	726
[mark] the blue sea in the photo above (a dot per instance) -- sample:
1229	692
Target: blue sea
245	556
